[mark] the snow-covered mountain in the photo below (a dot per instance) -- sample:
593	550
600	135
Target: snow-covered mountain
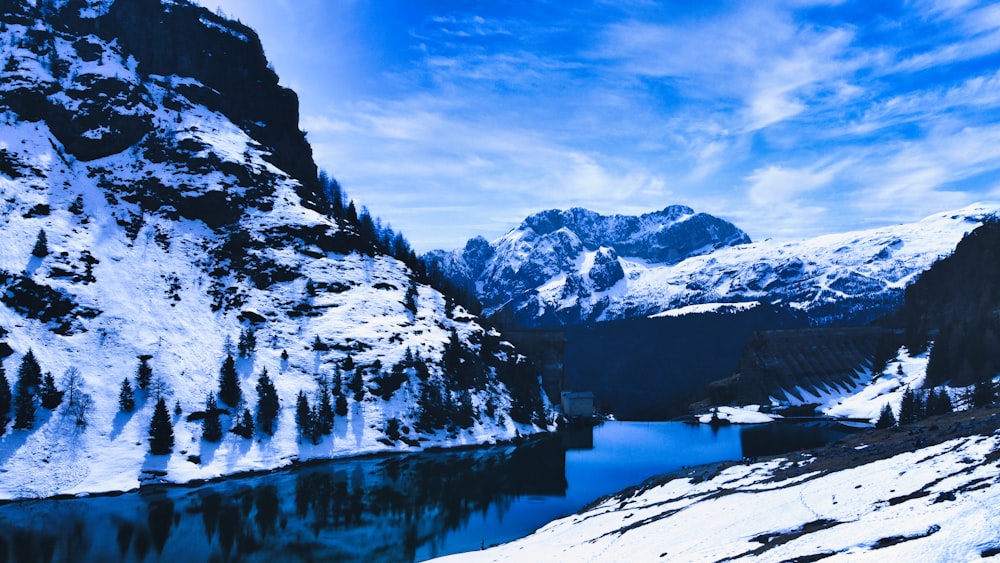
159	202
563	268
576	255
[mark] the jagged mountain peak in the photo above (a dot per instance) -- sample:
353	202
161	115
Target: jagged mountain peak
581	248
658	236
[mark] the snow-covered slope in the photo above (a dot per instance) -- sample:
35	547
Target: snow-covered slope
854	275
935	503
574	255
171	229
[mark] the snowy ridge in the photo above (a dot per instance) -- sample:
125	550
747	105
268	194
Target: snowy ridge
169	232
847	276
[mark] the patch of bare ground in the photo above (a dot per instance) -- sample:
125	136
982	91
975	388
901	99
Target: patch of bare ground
877	444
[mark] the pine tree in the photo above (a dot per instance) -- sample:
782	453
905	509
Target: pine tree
945	405
41	248
325	408
410	300
244	427
247	343
451	359
319	346
315	425
302	415
29	373
431	412
348	363
50	395
267	404
126	396
340	401
983	394
144	373
211	426
5	400
161	430
908	408
358	385
24	408
464	414
229	383
29	379
886	419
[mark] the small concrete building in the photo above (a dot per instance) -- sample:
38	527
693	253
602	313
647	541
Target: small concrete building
577	403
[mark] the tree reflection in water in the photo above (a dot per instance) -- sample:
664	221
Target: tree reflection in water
375	509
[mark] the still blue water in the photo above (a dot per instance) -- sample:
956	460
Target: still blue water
398	508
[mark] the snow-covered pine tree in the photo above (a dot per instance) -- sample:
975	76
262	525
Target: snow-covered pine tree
161	430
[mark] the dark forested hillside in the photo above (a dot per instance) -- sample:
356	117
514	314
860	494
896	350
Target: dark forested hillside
647	369
956	304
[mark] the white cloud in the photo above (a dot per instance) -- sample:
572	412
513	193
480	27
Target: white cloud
778	185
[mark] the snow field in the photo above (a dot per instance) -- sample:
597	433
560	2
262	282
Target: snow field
894	509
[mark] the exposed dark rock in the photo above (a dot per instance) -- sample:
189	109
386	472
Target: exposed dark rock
607	271
225	56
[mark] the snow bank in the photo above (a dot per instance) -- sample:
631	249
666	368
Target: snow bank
749	414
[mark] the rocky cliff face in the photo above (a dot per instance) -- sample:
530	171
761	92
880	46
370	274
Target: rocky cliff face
223	61
159	202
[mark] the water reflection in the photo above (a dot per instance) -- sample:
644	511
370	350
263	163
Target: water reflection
399	508
773	439
381	509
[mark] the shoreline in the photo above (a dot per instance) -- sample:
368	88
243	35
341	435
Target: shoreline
293	464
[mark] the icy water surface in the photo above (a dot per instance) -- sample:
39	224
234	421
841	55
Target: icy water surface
399	508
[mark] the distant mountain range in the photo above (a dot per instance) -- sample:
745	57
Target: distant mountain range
563	268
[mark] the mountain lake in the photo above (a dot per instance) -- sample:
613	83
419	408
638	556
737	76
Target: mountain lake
407	507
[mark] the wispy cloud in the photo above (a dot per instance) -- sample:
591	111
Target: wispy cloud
791	117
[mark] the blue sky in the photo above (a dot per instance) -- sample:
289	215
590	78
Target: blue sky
453	118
